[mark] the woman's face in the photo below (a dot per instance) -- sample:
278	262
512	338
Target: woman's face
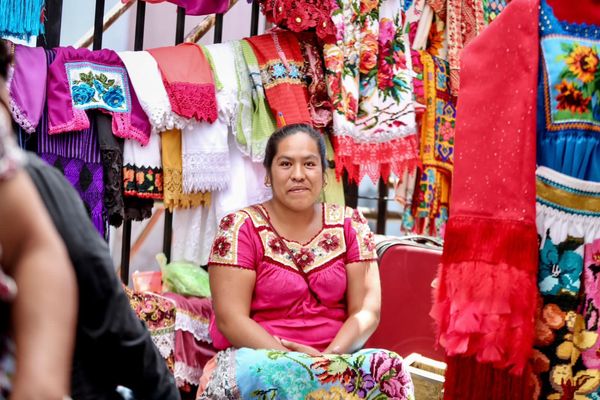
296	173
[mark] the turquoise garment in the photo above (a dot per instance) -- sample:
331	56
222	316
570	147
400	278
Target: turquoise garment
268	374
568	111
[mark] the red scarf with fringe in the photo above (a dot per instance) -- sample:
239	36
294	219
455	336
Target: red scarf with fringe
487	284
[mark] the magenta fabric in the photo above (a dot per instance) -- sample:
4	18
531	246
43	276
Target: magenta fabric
282	303
193	347
28	86
64	117
202	7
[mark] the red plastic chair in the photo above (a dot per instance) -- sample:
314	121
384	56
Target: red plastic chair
407	269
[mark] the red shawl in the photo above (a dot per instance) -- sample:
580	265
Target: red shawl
486	298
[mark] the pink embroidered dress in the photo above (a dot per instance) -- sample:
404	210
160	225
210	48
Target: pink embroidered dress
282	303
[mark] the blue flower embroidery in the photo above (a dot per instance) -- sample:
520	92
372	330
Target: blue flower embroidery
294	72
114	97
560	266
99	87
279	71
82	93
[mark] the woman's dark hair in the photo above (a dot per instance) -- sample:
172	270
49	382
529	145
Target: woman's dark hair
289	130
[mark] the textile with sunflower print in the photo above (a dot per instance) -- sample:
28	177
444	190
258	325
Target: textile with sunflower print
566	343
369	81
437	149
568	124
268	374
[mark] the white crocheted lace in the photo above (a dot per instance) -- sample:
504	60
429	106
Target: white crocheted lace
197	327
165	342
205	172
186	374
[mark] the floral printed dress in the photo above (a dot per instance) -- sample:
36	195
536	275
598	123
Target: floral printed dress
284	306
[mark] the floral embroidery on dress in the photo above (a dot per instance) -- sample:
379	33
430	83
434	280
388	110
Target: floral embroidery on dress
364	237
560	266
224	249
145	182
329	242
98	86
572	80
276	72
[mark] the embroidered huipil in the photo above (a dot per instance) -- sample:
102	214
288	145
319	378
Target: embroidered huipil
369	82
568	125
282	303
79	80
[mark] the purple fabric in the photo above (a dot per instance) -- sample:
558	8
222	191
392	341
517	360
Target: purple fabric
77	156
63	117
28	86
202	7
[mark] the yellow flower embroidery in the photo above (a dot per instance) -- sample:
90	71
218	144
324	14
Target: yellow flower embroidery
577	340
335	393
573	387
583	62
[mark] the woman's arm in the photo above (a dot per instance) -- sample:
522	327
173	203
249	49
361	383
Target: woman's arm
232	290
364	305
45	308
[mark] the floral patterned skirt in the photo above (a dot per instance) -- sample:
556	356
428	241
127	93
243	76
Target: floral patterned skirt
269	374
567	350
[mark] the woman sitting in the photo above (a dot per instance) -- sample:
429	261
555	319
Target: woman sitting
296	291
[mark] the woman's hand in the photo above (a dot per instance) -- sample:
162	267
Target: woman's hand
300	348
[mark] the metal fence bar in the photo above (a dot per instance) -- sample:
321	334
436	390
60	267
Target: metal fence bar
98	24
140	22
179	30
254	18
218	28
51	38
381	207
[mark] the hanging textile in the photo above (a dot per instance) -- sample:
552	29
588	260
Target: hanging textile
173	195
263	123
243	120
319	105
485	301
150	90
205	154
111	152
437	148
79	80
195	7
371	89
188	81
142	169
280	62
21	18
27	86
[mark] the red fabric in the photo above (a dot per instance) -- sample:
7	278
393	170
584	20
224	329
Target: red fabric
287	97
406	276
188	80
580	11
485	303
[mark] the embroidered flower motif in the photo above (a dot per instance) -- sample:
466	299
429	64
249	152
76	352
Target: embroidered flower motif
335	369
99	87
82	93
158	182
221	246
330	242
577	340
358	217
583	62
369	241
294	72
446	131
573	387
435	41
360	383
226	222
560	266
552	318
276	246
114	97
304	257
393	380
570	97
279	71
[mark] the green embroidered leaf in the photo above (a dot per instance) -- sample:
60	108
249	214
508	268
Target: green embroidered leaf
110	82
337	366
150	177
566	47
102	78
151	188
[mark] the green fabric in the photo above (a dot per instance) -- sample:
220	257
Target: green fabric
183	277
218	84
243	128
334	190
263	122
